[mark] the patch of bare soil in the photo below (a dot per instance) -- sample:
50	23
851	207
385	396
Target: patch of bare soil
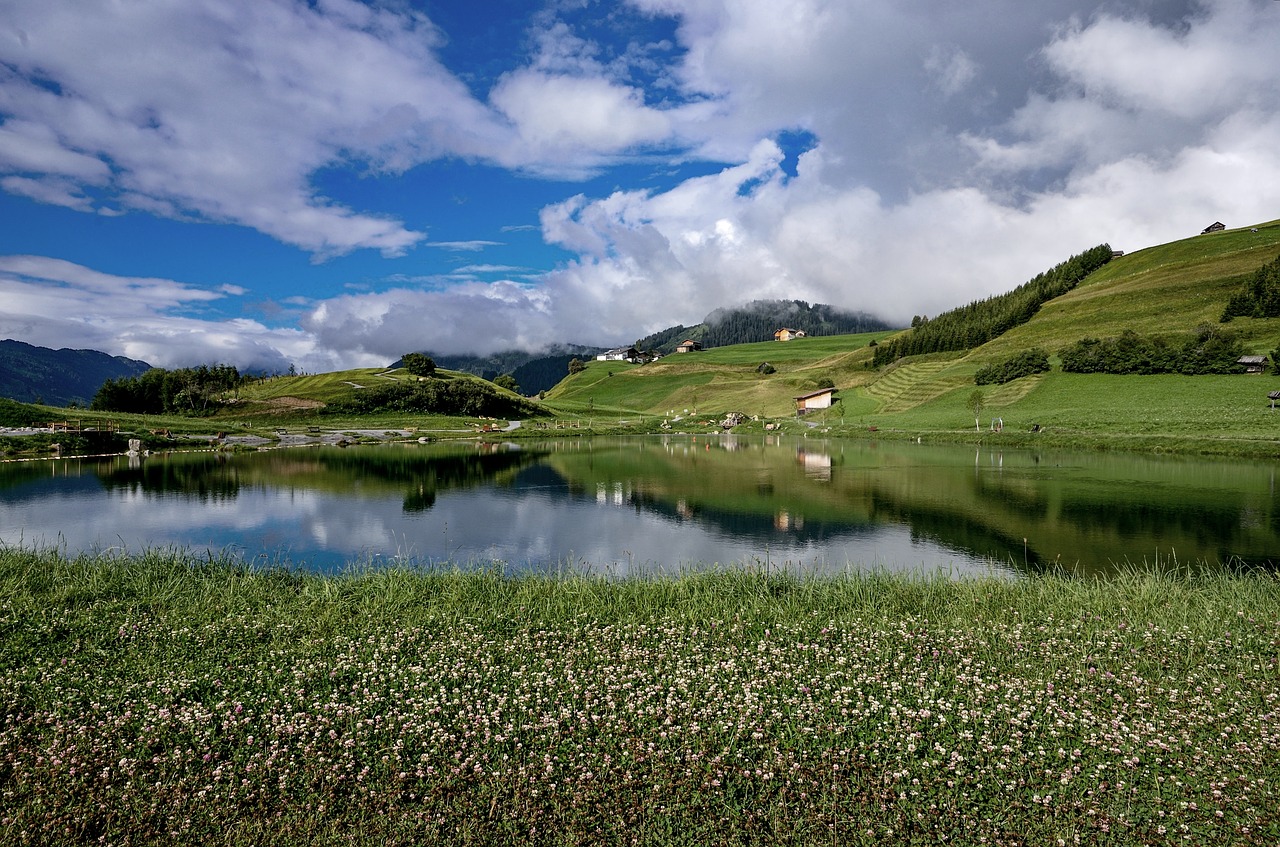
289	404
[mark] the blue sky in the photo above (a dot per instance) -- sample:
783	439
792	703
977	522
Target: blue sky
333	183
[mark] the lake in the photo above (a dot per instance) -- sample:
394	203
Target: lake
657	505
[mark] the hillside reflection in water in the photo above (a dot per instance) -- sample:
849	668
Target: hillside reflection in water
657	505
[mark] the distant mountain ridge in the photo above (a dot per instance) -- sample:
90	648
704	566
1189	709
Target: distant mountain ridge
759	320
61	377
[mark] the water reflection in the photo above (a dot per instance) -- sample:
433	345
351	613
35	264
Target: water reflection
658	504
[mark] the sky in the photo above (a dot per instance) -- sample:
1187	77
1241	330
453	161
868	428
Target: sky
330	184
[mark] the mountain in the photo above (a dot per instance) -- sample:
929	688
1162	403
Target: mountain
759	320
59	377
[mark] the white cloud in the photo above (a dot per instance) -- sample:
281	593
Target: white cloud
951	68
464	246
1087	148
1201	73
222	110
54	303
559	116
55	191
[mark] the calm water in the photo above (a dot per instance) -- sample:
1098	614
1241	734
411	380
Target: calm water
657	504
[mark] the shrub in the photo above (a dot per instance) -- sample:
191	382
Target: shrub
1026	363
1207	351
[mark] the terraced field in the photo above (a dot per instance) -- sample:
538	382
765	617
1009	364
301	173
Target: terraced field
909	384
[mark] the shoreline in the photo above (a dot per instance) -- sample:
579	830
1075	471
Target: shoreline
1128	443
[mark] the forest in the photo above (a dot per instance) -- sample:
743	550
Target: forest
982	320
185	391
758	321
1259	297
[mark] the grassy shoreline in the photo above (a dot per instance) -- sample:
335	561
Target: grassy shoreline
168	699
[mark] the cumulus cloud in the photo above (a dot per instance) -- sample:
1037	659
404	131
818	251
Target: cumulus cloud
222	111
54	303
1132	127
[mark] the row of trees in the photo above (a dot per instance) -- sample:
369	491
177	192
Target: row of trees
184	391
977	323
1208	351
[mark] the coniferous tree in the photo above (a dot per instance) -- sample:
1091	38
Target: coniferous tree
977	323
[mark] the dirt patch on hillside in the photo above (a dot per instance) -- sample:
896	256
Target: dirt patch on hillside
287	404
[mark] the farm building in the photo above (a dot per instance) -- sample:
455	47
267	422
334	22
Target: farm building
619	354
1253	364
786	334
820	399
1216	226
688	346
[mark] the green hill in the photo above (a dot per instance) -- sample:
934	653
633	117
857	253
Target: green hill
15	414
374	397
1167	290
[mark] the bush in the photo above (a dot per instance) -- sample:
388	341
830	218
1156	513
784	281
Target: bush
1026	363
1207	351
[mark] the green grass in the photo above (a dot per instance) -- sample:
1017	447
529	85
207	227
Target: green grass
162	699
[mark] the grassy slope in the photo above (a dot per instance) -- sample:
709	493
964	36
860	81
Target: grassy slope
722	379
1169	289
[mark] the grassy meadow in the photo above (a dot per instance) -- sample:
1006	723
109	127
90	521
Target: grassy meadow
163	700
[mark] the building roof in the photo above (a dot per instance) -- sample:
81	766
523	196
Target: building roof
817	393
